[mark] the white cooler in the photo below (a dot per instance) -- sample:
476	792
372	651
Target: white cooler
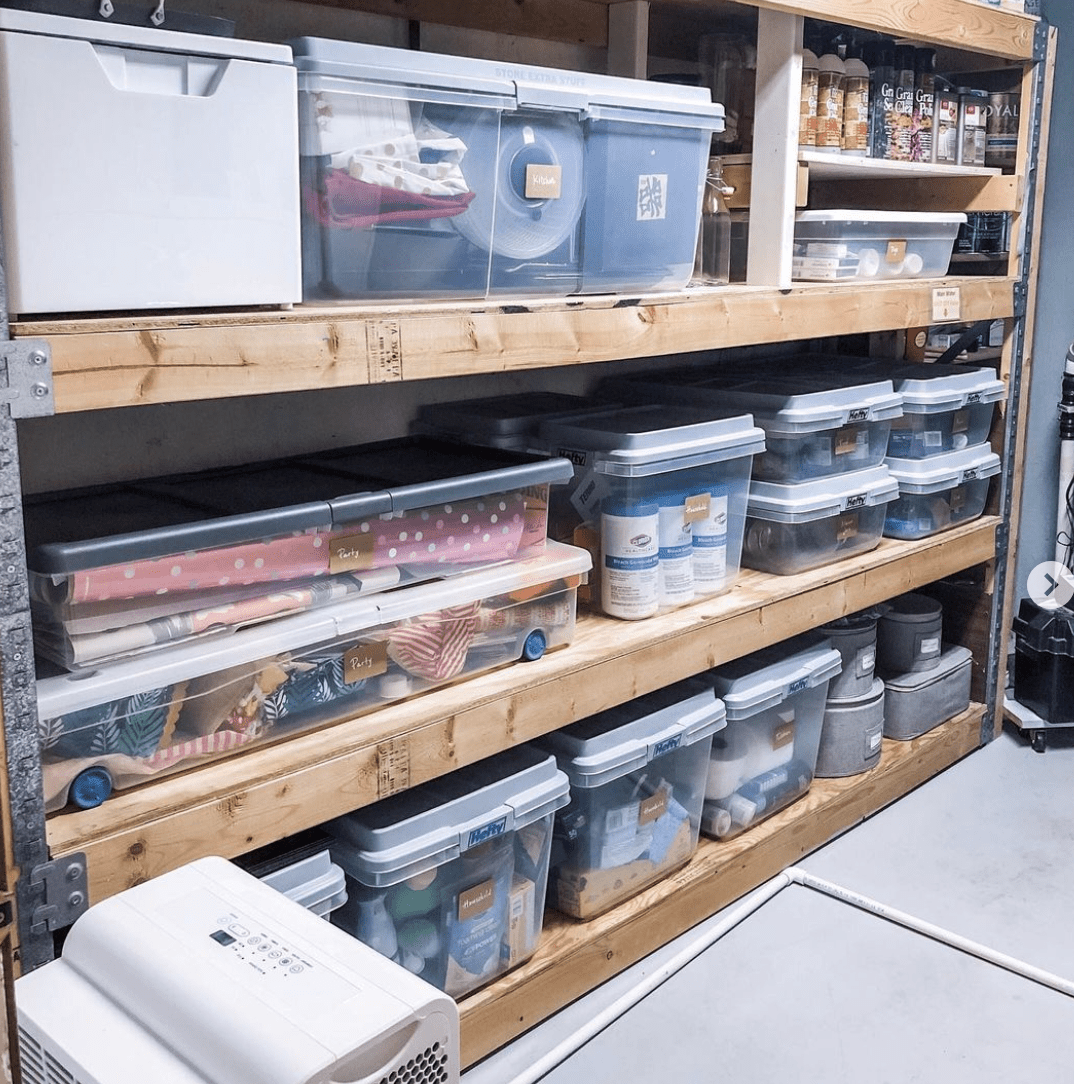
144	168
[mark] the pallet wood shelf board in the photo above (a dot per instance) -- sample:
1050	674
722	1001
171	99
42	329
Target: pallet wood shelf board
138	360
244	801
574	957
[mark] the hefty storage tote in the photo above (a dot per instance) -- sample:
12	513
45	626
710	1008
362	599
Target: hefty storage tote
793	528
939	492
433	175
139	718
659	495
866	245
918	701
637	775
124	568
144	168
766	756
449	878
815	425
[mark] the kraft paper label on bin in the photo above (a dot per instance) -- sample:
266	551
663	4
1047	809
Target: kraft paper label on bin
698	507
653	808
783	735
960	422
846	439
365	661
896	252
350	553
846	526
544	182
477	900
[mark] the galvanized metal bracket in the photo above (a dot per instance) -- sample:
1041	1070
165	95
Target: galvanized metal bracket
28	388
1040	31
66	893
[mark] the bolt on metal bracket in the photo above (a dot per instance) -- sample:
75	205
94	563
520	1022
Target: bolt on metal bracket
28	388
66	893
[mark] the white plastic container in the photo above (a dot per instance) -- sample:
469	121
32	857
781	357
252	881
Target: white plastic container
940	492
637	775
851	737
858	246
144	168
766	756
683	471
449	878
793	528
433	175
143	718
920	701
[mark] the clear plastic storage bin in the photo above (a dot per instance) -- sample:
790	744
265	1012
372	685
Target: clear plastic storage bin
659	496
815	424
793	528
433	175
143	168
921	700
124	569
637	775
868	245
449	878
766	756
142	718
939	492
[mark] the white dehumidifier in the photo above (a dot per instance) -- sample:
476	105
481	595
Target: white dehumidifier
207	976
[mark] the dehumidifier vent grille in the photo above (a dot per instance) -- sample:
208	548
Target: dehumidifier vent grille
38	1065
428	1067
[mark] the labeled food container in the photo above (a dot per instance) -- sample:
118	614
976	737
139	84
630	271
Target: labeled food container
144	168
854	637
1044	661
851	736
123	569
908	634
793	528
449	878
314	881
917	702
660	496
815	424
856	246
141	718
939	492
637	775
433	175
766	756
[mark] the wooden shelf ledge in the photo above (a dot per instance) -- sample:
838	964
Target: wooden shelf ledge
574	957
242	802
136	360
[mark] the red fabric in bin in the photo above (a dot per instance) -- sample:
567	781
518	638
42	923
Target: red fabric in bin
348	203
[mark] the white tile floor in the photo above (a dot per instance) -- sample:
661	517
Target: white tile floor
809	989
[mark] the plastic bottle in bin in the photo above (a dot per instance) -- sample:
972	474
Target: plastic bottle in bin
712	263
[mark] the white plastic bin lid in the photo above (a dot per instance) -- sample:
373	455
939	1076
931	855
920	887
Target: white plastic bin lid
930	389
801	502
623	739
951	659
140	37
766	678
639	441
311	881
419	829
944	471
909	218
167	666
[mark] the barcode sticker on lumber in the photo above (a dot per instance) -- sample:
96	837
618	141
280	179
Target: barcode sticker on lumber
385	351
393	767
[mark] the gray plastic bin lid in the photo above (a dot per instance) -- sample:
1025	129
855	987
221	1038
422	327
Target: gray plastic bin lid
801	502
951	659
639	441
154	517
944	471
763	680
310	881
623	739
419	829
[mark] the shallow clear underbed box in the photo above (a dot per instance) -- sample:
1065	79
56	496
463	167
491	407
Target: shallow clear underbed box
139	719
449	878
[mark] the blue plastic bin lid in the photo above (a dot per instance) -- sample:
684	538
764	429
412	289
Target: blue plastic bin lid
421	828
624	739
763	680
944	471
802	502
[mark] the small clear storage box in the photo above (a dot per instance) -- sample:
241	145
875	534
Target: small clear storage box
856	246
940	492
432	175
637	775
766	756
796	527
659	496
142	718
449	878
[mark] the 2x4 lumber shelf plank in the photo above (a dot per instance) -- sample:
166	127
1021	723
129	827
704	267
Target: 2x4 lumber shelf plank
133	361
250	799
574	957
